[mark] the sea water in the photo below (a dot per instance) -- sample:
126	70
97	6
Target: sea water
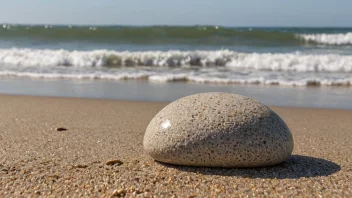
293	59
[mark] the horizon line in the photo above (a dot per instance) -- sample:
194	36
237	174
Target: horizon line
173	25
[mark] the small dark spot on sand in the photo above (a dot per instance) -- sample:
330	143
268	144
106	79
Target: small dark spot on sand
61	129
81	166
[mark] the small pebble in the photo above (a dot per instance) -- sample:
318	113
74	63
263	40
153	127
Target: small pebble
113	162
81	166
61	129
120	192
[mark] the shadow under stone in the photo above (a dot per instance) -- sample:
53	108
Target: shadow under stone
296	166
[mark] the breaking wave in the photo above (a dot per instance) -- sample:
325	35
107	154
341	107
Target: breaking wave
216	67
298	62
330	39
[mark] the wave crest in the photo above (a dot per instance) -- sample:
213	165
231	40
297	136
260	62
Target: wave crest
224	66
330	39
177	59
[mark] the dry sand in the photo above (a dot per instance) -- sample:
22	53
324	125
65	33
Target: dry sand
36	159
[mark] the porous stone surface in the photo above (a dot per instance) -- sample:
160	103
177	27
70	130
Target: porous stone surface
218	130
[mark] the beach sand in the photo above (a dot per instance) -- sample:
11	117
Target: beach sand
36	159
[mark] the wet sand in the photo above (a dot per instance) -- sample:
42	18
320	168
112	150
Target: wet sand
36	159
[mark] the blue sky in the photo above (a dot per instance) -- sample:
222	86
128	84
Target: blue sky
180	12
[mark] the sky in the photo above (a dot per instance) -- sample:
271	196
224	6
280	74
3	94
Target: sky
314	13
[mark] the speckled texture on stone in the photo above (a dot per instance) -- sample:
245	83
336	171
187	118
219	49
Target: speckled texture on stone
218	130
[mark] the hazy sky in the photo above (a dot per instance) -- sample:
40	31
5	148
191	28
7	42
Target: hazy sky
179	12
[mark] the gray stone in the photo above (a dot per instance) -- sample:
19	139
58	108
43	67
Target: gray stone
218	130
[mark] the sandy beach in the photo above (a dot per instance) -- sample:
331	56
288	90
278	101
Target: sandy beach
38	160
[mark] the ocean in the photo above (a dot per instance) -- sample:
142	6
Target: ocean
266	60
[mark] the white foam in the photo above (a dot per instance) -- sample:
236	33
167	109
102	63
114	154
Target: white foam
293	62
223	58
331	39
87	75
291	69
201	76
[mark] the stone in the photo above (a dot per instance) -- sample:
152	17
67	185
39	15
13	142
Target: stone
218	130
113	162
